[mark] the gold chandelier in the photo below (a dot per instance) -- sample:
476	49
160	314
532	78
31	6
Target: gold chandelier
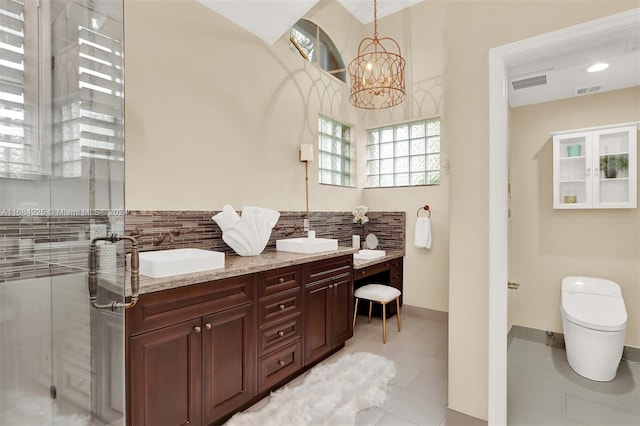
377	73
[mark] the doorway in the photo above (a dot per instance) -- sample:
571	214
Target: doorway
499	60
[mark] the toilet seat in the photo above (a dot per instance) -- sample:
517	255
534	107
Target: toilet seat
594	311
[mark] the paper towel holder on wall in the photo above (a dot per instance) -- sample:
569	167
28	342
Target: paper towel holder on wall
425	208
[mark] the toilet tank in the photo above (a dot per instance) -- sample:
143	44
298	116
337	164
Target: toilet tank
591	286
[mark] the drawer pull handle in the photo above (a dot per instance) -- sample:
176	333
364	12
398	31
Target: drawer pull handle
395	277
280	333
363	272
281	306
281	280
281	363
207	326
197	329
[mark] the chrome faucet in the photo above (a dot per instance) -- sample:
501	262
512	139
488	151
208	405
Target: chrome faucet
93	274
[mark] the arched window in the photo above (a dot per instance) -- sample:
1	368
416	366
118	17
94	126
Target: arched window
313	44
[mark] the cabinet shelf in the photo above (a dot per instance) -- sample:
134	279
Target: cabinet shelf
573	181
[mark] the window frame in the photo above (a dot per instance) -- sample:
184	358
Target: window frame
432	158
345	155
325	50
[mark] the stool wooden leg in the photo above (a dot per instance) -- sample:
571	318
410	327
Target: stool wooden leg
355	313
370	306
384	323
398	314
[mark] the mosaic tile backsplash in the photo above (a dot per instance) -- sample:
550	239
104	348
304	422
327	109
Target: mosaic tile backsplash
41	246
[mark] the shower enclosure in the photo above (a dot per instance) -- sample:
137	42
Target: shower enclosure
61	185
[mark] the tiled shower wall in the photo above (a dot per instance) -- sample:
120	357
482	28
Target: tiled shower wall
40	246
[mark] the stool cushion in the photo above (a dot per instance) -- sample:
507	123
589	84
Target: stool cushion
377	292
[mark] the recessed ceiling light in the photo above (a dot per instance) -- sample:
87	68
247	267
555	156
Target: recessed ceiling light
600	66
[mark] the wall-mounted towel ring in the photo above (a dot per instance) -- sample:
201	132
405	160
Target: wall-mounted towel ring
425	208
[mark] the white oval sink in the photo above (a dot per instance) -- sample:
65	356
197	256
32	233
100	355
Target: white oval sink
166	263
307	245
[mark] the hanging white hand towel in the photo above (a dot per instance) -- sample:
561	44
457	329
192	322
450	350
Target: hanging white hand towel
423	233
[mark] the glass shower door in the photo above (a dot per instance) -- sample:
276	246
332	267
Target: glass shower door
61	185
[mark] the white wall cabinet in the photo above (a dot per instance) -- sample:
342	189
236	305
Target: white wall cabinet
595	168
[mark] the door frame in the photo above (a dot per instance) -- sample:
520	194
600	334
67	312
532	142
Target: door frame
499	59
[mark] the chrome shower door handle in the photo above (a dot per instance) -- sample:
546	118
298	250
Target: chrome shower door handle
93	274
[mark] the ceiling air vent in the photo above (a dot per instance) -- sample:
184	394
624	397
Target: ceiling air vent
588	90
538	80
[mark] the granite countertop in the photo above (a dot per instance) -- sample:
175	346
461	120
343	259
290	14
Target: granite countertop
390	254
234	266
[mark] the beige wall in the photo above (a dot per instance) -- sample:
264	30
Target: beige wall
215	116
421	35
546	244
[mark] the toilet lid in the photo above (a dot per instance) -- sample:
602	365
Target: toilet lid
597	312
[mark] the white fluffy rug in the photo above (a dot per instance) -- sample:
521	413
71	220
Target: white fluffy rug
331	394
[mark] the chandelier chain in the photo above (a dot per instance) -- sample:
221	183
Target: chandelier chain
375	19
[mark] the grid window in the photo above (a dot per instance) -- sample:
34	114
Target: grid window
334	150
404	155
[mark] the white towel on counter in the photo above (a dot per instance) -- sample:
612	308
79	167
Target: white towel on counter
423	233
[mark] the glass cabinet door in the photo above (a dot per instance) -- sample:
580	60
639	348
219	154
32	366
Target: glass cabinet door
572	177
615	167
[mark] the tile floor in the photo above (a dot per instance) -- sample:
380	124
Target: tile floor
418	393
544	390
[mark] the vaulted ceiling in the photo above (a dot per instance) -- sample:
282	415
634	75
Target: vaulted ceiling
558	72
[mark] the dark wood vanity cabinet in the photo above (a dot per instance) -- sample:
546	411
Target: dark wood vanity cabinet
199	353
192	353
328	306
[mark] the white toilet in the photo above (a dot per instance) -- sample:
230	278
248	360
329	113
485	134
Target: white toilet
594	320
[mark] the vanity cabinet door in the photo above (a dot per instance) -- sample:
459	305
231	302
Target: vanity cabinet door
317	334
229	361
328	306
166	377
341	310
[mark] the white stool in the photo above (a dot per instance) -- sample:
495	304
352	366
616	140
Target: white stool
378	293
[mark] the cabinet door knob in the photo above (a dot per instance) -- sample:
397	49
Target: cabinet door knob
363	272
281	363
208	326
281	280
281	306
280	333
197	329
395	277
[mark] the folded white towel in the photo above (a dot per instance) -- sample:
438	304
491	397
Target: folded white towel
423	233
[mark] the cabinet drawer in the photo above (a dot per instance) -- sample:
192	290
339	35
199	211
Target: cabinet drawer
279	307
371	270
273	282
167	307
279	334
279	365
329	268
